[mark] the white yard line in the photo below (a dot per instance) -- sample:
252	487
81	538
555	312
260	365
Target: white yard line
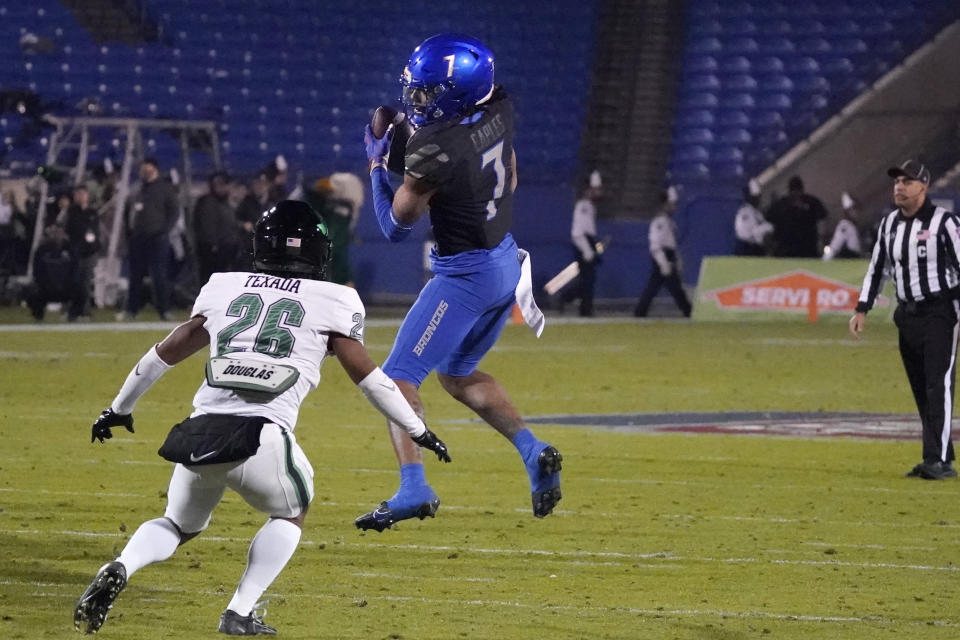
783	520
577	555
658	612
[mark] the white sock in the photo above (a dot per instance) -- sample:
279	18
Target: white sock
269	553
154	541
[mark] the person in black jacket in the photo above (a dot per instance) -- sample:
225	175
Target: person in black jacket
82	225
215	229
795	219
53	268
151	217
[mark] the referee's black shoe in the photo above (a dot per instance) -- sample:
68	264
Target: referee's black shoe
935	470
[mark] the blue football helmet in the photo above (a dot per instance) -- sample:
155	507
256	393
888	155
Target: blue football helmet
445	77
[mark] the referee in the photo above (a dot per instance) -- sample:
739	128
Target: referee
918	244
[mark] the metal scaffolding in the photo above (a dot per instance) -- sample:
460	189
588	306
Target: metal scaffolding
74	134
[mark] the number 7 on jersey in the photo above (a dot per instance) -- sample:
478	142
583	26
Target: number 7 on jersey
495	155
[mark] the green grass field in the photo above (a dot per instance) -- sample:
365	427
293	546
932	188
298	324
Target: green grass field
658	535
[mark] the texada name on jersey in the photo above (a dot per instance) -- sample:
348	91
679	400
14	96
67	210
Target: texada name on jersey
290	285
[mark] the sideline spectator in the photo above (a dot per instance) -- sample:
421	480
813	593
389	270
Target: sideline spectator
53	267
248	212
82	225
215	229
583	235
8	264
751	228
152	215
846	237
666	260
795	218
338	198
276	173
59	216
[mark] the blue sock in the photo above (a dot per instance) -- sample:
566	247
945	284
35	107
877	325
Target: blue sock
412	475
525	441
413	491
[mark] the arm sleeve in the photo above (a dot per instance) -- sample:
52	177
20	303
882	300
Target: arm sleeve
391	228
873	280
383	394
138	381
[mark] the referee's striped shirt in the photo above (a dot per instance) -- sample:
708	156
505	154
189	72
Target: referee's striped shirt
920	252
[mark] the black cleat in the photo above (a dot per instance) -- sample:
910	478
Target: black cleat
548	493
935	470
234	624
383	518
96	601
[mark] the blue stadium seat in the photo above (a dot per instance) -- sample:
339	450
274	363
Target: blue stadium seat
727	170
732	118
690	154
802	65
708	44
808	27
741	45
739	26
698	136
698	100
811	102
702	82
734	65
849	46
739	82
814	46
775	139
763	120
703	118
728	154
774	101
776	27
812	84
843	28
876	27
735	136
738	101
689	172
777	46
776	83
700	64
837	65
767	65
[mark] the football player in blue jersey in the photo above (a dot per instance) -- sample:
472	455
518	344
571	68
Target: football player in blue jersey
461	167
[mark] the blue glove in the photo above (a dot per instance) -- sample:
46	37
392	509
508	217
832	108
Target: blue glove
377	150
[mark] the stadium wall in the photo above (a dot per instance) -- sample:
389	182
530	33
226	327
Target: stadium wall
542	217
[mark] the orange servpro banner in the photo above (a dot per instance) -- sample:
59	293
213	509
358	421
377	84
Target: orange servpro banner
766	288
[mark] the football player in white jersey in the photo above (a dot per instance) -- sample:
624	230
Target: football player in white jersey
267	333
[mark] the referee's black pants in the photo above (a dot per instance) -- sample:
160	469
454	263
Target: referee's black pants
928	347
674	286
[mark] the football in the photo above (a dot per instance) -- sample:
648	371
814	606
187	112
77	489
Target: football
382	118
